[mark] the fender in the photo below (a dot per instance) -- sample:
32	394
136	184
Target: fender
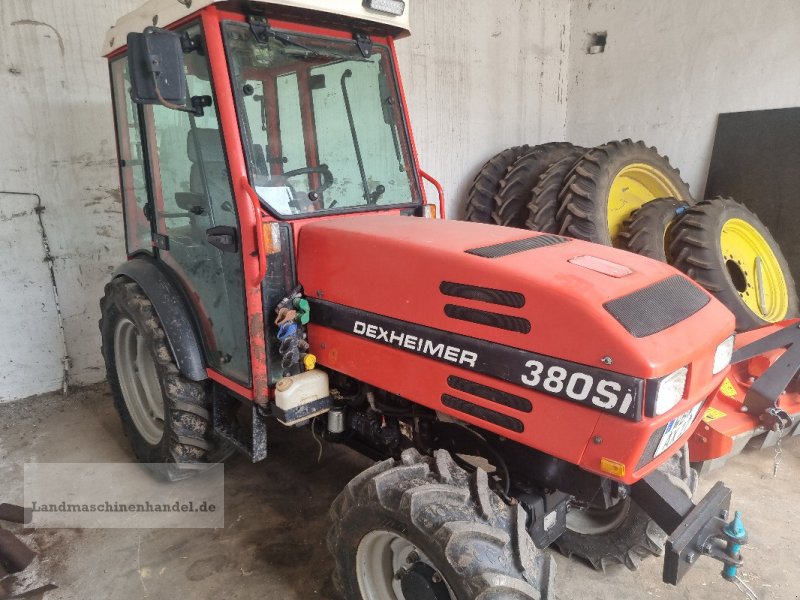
172	311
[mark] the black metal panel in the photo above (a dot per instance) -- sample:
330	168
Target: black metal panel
658	307
484	414
506	248
490	393
490	319
482	294
612	393
173	312
756	160
650	449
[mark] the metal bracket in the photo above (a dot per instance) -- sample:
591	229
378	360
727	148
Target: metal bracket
696	534
227	427
763	396
260	28
364	43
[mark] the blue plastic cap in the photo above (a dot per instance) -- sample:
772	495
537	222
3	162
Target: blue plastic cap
735	529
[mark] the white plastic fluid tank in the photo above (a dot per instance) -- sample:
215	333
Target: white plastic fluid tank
301	397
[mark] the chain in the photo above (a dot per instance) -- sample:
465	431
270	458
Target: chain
778	455
744	588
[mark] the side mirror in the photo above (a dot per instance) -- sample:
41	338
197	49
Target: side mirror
156	67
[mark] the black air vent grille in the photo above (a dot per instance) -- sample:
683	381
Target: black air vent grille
490	319
490	393
484	414
658	306
506	248
482	294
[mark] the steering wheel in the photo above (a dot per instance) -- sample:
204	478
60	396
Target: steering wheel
327	177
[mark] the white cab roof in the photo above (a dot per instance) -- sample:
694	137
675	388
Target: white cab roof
166	12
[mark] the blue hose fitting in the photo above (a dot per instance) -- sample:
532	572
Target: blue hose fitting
737	536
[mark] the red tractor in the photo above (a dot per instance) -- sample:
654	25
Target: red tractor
520	390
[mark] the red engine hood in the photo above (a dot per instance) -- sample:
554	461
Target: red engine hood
395	266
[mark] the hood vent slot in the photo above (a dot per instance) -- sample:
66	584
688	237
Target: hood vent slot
490	319
507	248
482	294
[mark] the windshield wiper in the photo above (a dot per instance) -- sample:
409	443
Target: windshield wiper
359	158
262	32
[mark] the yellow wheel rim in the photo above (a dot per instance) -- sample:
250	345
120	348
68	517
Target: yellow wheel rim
754	270
633	187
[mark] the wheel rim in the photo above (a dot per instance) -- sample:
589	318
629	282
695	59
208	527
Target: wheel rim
381	559
754	270
138	378
596	521
634	186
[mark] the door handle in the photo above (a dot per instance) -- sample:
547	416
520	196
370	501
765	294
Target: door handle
223	238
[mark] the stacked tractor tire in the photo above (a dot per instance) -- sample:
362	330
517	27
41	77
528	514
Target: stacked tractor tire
625	194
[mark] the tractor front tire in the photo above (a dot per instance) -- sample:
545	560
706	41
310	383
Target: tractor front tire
480	197
609	183
648	230
726	248
424	527
623	534
166	416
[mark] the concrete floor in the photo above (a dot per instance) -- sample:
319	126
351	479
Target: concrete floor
273	544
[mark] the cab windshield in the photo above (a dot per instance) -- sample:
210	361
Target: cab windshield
321	124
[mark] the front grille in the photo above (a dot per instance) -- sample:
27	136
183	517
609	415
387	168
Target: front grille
658	307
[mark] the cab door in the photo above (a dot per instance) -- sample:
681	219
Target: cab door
196	228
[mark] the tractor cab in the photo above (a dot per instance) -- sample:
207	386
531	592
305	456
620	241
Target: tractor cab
235	118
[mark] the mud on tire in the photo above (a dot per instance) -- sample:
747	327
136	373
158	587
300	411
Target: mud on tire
635	535
478	544
480	197
186	439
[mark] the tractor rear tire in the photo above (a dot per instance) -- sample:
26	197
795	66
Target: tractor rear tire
516	188
717	243
430	516
648	231
609	183
166	416
623	534
480	198
544	202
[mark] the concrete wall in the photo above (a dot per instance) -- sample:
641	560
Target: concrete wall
670	67
57	142
480	77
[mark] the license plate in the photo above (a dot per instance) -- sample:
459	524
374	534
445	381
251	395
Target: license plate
676	428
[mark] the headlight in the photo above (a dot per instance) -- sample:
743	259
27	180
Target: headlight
722	357
670	391
392	7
